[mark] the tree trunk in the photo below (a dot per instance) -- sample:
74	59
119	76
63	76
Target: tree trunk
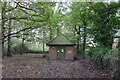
43	42
1	46
9	40
9	44
78	38
51	33
84	36
119	55
2	29
111	42
58	30
84	41
111	37
117	73
22	45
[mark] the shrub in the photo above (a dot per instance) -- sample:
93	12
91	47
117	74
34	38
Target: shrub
102	55
19	49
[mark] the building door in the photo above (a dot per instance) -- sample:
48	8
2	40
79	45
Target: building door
60	52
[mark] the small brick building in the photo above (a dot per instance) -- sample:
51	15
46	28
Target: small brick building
61	48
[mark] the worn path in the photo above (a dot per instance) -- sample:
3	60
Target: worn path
34	66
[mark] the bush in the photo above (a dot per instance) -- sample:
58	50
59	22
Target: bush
19	49
102	55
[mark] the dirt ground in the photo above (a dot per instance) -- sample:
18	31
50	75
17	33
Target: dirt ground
34	66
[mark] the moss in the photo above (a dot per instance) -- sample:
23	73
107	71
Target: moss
60	39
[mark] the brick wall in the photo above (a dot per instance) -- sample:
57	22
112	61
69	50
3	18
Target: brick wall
52	52
69	52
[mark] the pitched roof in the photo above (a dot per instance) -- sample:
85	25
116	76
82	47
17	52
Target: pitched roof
60	40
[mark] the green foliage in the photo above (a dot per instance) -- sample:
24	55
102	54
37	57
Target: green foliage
104	23
102	55
99	17
36	47
71	37
19	49
16	47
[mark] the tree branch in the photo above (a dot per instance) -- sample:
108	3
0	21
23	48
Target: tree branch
12	8
26	18
21	31
29	13
109	8
26	7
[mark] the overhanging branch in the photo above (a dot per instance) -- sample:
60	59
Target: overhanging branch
26	18
12	8
21	31
25	7
109	8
